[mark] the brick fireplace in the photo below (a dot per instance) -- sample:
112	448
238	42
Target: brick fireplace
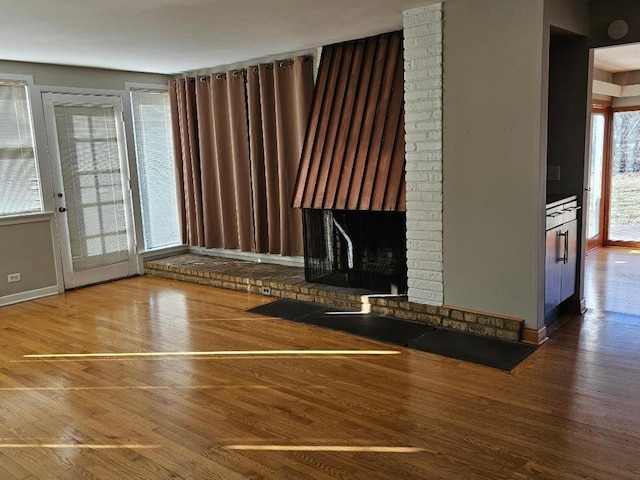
395	171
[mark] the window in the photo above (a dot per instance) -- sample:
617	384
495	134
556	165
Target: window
19	185
156	171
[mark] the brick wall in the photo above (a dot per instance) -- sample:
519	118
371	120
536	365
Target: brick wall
423	123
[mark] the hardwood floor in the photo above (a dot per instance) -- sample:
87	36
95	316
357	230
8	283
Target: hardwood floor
224	394
612	280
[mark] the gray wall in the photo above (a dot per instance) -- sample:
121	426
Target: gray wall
29	248
569	15
625	102
26	249
64	76
493	200
626	78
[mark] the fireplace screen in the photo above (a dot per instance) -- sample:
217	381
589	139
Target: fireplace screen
359	249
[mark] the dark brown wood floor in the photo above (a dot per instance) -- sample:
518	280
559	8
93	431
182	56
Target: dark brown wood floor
147	378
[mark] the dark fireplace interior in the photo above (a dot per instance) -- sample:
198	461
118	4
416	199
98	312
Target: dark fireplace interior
360	249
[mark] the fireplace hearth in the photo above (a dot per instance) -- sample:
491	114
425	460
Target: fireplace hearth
359	249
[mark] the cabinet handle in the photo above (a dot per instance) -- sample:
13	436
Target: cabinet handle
571	209
565	248
554	214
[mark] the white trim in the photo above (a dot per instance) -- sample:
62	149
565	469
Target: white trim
606	88
77	91
250	256
614	90
26	218
30	295
28	79
134	184
630	91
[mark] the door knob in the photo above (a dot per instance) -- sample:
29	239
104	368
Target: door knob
62	209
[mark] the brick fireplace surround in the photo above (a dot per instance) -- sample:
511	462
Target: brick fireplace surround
289	282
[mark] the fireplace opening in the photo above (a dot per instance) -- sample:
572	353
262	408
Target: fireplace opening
359	249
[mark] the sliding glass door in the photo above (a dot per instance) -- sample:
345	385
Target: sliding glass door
624	197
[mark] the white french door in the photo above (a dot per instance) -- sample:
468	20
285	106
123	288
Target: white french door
94	217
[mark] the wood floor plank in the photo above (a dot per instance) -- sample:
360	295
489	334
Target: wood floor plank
569	412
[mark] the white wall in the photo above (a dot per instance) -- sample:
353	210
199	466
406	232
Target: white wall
493	200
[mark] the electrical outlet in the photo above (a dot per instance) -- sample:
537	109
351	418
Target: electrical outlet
266	290
14	277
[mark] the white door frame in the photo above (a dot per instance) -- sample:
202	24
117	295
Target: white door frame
48	95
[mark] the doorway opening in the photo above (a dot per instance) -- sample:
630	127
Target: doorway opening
614	180
612	273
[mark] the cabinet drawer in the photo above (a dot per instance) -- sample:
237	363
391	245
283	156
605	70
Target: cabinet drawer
569	211
554	216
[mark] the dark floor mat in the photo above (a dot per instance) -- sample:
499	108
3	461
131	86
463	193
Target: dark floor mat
289	309
376	327
472	348
462	346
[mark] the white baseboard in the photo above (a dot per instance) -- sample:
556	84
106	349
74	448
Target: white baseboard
30	295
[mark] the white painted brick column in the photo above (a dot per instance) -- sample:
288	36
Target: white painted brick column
423	124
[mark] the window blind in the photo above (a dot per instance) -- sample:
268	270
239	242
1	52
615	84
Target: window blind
155	166
90	162
19	185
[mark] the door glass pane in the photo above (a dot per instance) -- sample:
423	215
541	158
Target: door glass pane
595	180
90	161
624	215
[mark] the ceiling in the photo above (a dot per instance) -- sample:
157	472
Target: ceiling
623	58
172	36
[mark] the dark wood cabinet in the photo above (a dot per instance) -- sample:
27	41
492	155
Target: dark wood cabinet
561	254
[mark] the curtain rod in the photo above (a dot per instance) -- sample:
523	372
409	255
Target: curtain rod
242	72
282	63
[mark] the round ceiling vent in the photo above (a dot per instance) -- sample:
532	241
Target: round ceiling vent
618	29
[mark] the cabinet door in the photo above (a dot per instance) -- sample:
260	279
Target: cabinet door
570	230
553	270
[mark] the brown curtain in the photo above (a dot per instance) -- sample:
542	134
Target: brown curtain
188	159
279	100
212	224
237	140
